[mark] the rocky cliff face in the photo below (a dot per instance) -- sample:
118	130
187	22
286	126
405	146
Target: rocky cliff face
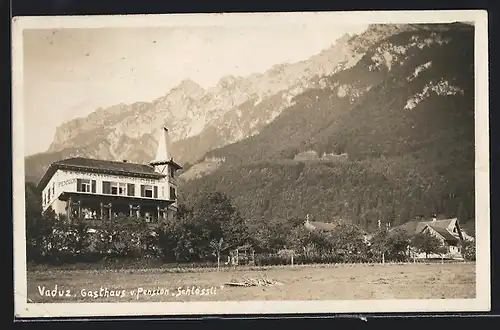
389	138
201	120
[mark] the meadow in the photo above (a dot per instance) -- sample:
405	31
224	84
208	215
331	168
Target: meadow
300	282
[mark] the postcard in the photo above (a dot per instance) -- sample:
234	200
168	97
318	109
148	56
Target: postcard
251	163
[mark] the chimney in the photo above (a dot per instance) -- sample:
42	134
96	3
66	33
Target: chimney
307	218
434	218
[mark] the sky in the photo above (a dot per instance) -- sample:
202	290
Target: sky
70	72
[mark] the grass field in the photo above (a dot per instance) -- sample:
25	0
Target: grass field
389	281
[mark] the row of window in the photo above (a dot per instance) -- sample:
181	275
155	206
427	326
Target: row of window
121	189
49	194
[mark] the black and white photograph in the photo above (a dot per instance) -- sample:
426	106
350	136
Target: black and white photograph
251	163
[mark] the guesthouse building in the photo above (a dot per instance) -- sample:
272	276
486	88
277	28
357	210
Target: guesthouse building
97	190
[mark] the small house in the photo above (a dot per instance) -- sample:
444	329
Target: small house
446	230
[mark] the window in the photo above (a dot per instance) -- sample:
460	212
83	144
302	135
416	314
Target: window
114	188
106	187
118	188
162	192
83	185
130	189
122	189
155	191
147	190
172	193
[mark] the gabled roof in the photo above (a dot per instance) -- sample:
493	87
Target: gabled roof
100	166
413	227
445	234
442	227
443	223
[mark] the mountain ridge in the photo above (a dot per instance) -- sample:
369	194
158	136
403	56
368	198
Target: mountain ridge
198	129
389	139
387	134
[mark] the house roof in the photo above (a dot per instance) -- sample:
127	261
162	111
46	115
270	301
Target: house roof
413	227
442	227
100	166
445	233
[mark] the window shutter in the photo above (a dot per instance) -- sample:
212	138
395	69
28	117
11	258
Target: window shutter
131	189
143	188
155	191
106	187
94	186
172	193
78	184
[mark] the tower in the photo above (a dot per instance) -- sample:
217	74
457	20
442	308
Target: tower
164	164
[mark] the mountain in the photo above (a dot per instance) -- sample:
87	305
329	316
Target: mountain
378	127
389	138
201	120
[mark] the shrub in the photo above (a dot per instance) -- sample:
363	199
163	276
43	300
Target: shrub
427	243
468	249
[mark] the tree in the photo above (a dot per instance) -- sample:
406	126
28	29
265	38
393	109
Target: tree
212	218
347	242
468	249
380	246
182	239
33	203
39	233
399	241
442	251
275	234
390	244
427	243
217	248
301	239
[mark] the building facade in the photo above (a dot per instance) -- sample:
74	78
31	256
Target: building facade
97	190
448	231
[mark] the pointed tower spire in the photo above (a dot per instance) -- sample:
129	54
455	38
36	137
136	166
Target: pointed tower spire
163	152
163	159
